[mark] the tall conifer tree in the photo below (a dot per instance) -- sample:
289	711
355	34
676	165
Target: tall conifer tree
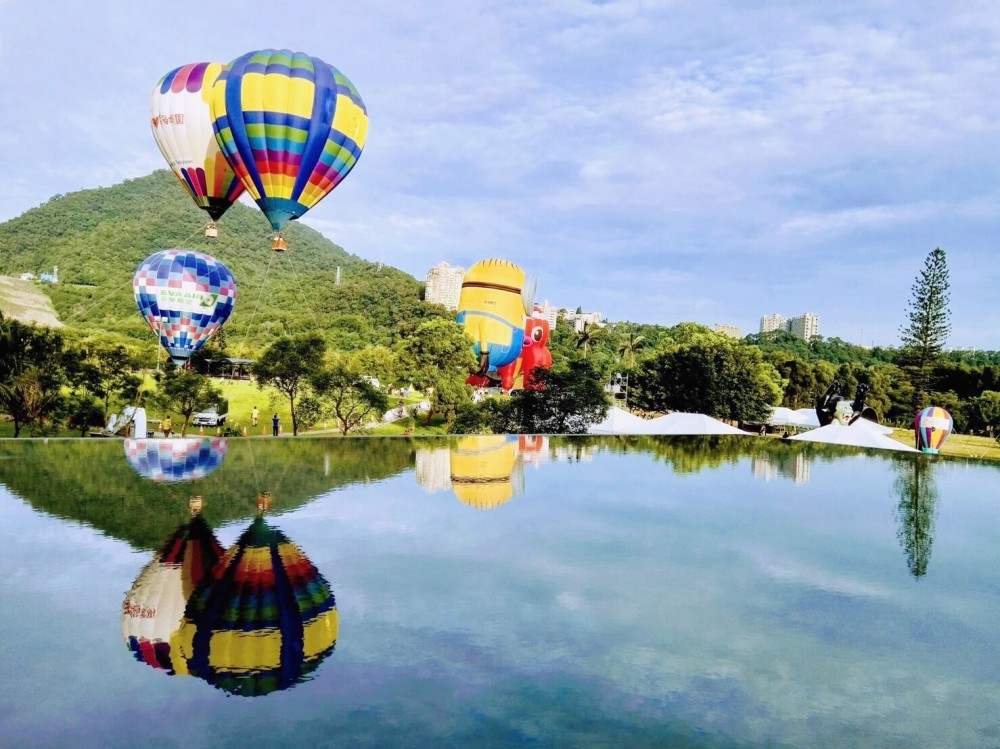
928	324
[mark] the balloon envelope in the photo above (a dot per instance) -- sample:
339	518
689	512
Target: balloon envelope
932	425
496	295
484	470
182	127
263	620
185	297
154	607
291	126
172	460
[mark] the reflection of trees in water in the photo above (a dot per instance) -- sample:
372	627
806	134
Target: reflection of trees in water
916	511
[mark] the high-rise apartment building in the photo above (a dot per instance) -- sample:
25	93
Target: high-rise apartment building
805	326
770	323
444	285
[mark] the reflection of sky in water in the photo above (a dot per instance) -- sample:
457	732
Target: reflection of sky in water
608	598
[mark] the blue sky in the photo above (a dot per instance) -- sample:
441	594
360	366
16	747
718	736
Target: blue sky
655	161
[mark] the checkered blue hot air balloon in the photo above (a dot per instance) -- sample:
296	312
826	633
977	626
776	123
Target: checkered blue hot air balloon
174	460
932	427
181	121
185	297
291	126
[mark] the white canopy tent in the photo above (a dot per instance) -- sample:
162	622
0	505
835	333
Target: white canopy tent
786	417
687	423
862	433
620	421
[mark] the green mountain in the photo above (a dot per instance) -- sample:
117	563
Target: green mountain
98	237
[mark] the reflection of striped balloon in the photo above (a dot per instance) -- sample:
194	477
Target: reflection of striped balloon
932	425
263	620
291	126
171	460
185	297
154	608
182	128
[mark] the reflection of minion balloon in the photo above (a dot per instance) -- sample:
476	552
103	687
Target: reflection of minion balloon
154	608
263	620
932	427
484	470
170	460
496	295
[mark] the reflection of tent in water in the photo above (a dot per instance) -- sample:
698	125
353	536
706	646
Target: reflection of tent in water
263	620
485	470
862	433
154	608
172	460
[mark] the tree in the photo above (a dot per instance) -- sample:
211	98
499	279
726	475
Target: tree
288	364
928	324
439	356
630	343
984	411
352	399
184	391
31	373
587	336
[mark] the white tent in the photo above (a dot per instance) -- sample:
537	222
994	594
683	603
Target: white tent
862	433
619	421
809	417
685	423
786	417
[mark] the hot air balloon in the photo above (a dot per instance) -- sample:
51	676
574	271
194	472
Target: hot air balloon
173	460
534	353
495	296
182	127
185	297
932	427
154	608
485	470
263	620
291	126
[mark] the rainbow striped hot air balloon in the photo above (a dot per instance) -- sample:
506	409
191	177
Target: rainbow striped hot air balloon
182	127
932	427
185	297
263	620
291	126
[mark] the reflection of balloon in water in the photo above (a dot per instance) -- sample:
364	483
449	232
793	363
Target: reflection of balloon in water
185	297
154	608
263	620
182	128
483	470
496	295
292	127
932	426
171	460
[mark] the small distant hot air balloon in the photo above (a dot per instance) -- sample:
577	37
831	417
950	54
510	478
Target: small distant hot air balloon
182	127
485	470
291	126
154	608
263	620
172	460
932	427
185	297
496	295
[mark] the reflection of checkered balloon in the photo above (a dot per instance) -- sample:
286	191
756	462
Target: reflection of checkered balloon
172	460
185	297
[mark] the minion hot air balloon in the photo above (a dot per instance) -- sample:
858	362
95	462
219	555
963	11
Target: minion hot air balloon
932	427
185	297
291	126
496	295
182	127
263	620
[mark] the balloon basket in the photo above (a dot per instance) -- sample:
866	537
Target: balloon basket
212	230
195	504
279	243
263	501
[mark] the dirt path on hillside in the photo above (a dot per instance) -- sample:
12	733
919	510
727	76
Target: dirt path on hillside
25	302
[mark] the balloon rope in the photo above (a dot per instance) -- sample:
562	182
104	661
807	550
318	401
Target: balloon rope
99	302
302	294
259	295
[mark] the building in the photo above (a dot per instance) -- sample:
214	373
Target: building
805	326
771	323
581	319
730	330
444	285
546	312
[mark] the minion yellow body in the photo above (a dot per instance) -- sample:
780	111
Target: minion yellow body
496	296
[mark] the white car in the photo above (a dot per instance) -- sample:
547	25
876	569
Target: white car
210	418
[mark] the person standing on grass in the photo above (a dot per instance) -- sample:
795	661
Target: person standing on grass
166	426
253	416
275	425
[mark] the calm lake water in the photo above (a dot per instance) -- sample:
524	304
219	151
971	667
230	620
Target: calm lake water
715	592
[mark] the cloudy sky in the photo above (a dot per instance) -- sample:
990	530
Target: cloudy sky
656	161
